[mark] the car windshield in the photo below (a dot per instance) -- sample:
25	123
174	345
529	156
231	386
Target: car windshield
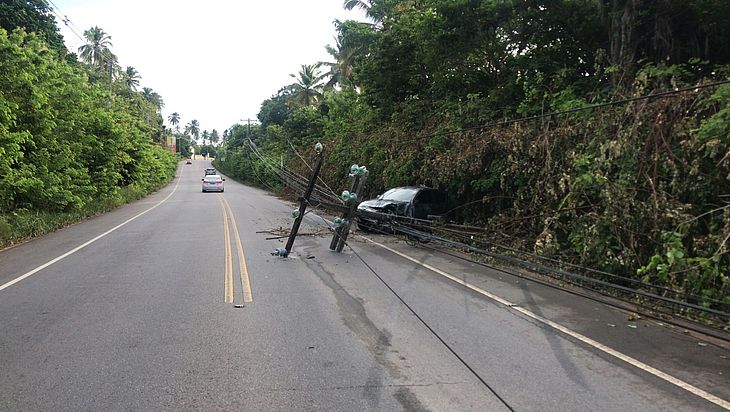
213	178
400	194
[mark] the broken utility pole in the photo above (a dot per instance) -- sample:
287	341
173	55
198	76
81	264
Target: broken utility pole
303	202
359	175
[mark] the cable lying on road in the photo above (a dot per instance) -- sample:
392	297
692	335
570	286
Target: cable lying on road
423	229
409	231
420	319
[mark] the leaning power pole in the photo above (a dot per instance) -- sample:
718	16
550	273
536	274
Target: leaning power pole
303	202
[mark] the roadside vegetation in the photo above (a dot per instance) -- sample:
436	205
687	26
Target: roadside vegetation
454	95
76	136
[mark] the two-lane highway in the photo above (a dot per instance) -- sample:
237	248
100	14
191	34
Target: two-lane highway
175	302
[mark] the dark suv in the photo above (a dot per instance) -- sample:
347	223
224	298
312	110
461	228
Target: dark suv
418	202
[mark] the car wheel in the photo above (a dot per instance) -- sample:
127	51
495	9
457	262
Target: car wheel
365	228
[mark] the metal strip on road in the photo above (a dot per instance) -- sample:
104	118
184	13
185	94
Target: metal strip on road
588	341
77	248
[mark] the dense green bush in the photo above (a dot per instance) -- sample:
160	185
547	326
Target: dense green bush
66	146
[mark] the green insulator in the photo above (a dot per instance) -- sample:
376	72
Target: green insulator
319	147
295	213
348	197
356	170
339	221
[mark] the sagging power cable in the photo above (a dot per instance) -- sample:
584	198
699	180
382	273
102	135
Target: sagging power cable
310	167
420	319
428	225
563	274
660	95
289	178
579	267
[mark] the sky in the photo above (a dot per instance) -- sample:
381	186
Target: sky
210	60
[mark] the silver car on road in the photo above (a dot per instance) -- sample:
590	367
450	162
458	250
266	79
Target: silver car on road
213	183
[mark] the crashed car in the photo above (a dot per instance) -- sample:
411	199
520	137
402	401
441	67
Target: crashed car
419	202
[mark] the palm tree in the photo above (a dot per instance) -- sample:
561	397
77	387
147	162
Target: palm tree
340	71
131	78
214	137
205	137
174	119
153	97
377	11
96	50
364	5
193	128
308	88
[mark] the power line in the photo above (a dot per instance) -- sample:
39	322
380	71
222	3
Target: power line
409	227
106	53
664	94
290	178
561	273
309	167
421	320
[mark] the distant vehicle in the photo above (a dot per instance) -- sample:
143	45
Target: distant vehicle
188	161
212	183
210	171
418	202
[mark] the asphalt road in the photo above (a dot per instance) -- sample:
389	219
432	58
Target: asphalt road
145	318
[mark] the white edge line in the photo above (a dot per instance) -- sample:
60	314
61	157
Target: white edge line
588	341
77	248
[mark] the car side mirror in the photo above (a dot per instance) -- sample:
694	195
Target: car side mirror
202	180
224	180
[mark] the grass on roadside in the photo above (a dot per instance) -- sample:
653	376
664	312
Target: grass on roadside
23	224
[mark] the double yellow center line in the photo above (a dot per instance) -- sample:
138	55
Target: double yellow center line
228	282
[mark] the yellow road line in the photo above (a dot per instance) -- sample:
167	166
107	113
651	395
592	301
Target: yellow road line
228	274
245	279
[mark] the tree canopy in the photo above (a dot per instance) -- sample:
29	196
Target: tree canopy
454	94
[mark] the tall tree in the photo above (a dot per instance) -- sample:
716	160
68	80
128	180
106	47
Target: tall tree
663	32
214	137
340	70
34	16
308	88
131	78
174	119
96	51
193	128
153	97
